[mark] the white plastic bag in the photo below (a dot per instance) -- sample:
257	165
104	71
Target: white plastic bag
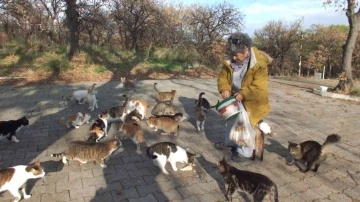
242	133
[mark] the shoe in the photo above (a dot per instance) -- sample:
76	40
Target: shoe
236	157
222	146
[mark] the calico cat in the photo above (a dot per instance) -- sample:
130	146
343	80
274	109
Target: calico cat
75	120
13	179
91	98
163	152
8	129
203	103
140	105
118	113
164	96
311	152
200	111
256	184
132	131
162	108
165	124
128	85
99	128
79	95
86	151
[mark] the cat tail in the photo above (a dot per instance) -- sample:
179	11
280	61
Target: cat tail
274	193
156	88
149	153
333	138
200	100
58	155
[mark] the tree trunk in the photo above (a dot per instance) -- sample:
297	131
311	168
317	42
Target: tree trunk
72	22
353	18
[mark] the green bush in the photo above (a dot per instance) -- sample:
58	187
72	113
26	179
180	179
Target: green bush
100	69
56	64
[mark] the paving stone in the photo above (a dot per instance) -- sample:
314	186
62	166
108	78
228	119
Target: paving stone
125	194
147	198
82	192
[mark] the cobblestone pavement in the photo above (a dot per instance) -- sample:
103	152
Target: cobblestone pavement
297	115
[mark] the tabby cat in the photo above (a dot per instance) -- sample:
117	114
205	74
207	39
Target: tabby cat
75	120
86	151
127	84
165	124
14	178
203	103
118	113
164	96
163	152
178	117
162	108
8	129
259	186
99	128
132	131
133	117
311	152
200	115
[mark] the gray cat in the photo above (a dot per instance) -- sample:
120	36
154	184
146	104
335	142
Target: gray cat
87	151
162	108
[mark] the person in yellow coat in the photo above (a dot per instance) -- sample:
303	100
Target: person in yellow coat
244	75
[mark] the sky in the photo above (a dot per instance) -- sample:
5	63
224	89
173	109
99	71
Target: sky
259	12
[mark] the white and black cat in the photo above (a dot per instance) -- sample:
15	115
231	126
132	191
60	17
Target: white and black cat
14	178
163	152
256	184
8	129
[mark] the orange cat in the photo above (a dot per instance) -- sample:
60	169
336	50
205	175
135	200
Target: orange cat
165	96
75	120
132	131
166	124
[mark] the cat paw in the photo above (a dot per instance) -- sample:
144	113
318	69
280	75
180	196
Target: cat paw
165	172
198	129
77	127
16	200
103	165
27	196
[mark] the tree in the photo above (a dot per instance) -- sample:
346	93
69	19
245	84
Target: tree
346	83
72	22
277	39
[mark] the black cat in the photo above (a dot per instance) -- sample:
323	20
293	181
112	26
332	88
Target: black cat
8	129
257	185
311	152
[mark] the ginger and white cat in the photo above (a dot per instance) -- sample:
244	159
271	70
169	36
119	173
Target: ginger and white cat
99	128
76	120
13	179
140	105
166	124
163	152
83	151
164	96
132	131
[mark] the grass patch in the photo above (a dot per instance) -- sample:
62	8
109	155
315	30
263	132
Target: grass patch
356	92
100	69
164	64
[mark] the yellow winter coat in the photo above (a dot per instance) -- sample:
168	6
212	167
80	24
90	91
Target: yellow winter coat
254	86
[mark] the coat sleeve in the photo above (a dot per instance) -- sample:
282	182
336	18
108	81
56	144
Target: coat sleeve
223	80
258	87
